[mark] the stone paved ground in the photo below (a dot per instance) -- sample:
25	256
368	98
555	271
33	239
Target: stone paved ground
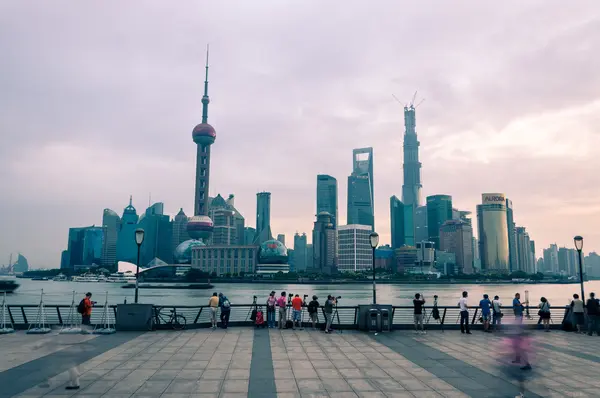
244	362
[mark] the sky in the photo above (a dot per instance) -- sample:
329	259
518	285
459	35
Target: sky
98	102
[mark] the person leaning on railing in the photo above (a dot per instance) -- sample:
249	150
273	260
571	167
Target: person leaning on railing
593	311
213	304
544	313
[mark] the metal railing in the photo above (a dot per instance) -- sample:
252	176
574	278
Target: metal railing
346	317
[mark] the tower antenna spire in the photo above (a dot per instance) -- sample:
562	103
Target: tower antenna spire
205	99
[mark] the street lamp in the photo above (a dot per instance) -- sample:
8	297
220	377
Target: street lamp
374	239
579	246
139	239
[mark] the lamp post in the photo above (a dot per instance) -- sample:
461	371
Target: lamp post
579	246
139	239
374	239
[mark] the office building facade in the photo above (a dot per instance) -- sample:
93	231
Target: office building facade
224	226
420	224
327	196
523	250
223	260
180	233
360	189
402	223
439	210
513	257
457	237
85	247
406	258
281	238
354	248
551	259
493	233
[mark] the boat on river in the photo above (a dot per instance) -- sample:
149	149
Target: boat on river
60	278
193	286
8	285
121	277
89	278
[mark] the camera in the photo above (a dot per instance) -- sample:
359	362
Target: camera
338	297
305	296
255	297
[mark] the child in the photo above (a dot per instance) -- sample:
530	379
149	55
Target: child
260	320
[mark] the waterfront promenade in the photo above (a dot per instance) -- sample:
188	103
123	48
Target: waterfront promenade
243	361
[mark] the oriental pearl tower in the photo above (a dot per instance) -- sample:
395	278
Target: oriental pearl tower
200	226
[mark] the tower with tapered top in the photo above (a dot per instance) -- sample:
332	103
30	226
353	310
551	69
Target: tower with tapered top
200	226
411	190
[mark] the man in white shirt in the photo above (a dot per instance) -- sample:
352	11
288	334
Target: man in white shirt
464	313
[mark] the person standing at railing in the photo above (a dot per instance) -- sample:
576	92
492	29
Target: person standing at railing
271	303
593	311
544	313
464	313
496	313
225	307
485	305
313	311
85	308
418	303
296	311
578	312
281	303
213	304
329	313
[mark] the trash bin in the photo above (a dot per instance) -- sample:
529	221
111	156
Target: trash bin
374	320
386	324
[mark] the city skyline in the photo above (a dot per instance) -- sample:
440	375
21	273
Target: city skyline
117	118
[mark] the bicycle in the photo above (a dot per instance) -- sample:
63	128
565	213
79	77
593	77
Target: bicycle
176	321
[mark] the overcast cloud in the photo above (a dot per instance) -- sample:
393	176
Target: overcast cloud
98	101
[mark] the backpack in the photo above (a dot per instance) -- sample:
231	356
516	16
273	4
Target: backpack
435	313
312	307
253	315
226	304
81	307
259	318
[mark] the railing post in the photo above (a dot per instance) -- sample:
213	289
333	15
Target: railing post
198	316
24	316
444	316
474	316
59	317
12	320
392	320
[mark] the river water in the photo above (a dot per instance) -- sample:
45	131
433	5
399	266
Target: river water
242	293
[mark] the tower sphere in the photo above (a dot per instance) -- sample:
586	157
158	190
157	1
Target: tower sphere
204	134
200	227
183	252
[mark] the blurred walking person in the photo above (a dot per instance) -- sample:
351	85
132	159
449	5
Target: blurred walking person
464	313
593	311
544	313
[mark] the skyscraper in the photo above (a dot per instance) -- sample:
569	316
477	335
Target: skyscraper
354	248
249	235
411	189
301	253
201	226
179	229
551	259
360	188
238	220
224	227
126	247
263	218
158	236
513	258
324	244
523	250
493	233
327	196
281	238
457	237
85	246
111	222
439	210
402	222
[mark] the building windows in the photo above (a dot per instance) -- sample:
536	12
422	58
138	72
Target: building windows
203	160
202	184
202	172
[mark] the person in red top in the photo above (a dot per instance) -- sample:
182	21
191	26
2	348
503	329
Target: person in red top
297	311
87	311
281	303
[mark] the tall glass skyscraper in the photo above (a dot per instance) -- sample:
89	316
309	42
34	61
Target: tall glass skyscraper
158	235
263	217
327	196
411	189
301	252
493	233
360	189
439	210
126	247
513	258
111	222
